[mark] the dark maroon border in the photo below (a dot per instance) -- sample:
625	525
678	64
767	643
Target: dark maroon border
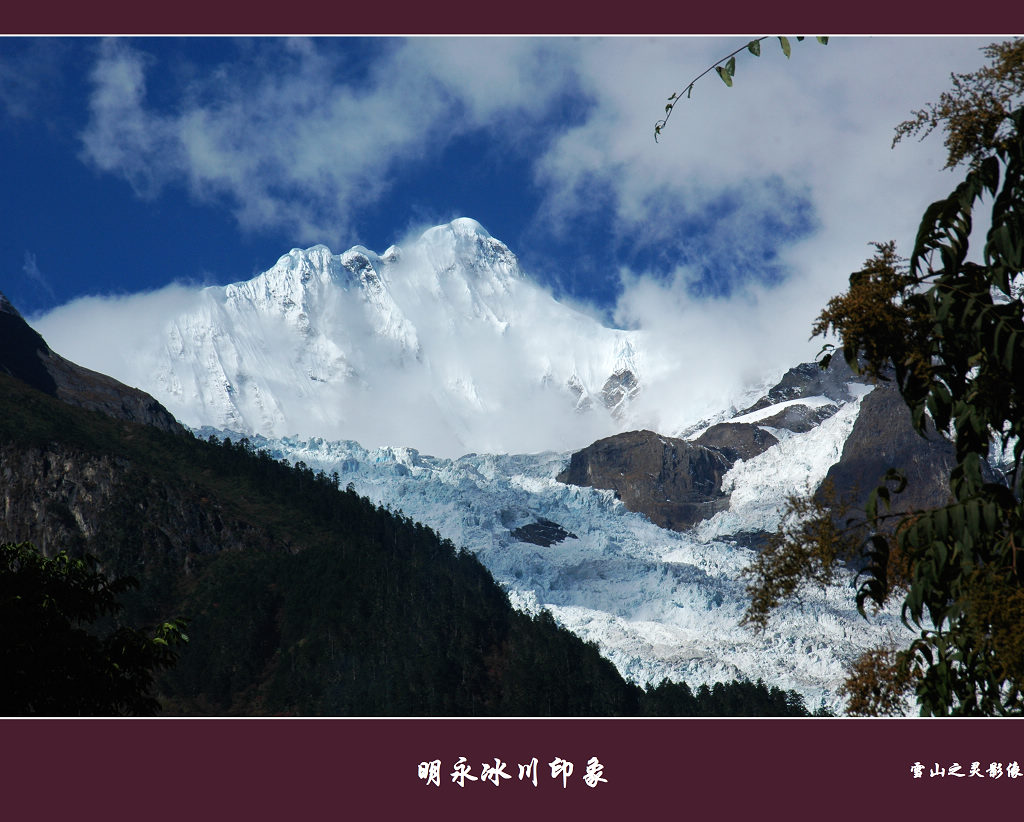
361	769
519	17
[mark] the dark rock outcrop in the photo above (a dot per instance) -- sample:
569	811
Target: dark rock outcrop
618	390
800	418
25	355
61	497
674	483
22	350
543	532
810	380
882	438
737	440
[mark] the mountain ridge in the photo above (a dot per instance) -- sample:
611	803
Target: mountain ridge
25	355
302	598
325	344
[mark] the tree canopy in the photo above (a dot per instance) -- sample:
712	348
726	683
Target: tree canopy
54	660
948	331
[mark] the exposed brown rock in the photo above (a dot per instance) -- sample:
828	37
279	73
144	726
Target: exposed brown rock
737	440
674	483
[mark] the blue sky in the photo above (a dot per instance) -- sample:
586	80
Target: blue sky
130	164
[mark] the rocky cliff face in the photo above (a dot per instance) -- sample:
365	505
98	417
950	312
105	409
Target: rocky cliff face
882	438
809	380
737	440
55	497
677	483
25	355
63	498
673	482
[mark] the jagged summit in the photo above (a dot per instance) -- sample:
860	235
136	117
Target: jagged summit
442	342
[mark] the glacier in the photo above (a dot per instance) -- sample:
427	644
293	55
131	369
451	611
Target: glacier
658	603
388	368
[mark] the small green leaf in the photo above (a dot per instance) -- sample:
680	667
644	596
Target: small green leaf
724	75
754	47
822	40
731	67
973	518
799	38
784	42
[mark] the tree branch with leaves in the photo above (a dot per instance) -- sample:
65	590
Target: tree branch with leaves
726	69
949	332
55	661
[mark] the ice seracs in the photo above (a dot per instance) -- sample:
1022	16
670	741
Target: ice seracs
659	603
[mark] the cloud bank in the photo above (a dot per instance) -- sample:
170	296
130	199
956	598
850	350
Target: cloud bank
723	241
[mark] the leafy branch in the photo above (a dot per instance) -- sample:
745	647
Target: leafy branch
726	69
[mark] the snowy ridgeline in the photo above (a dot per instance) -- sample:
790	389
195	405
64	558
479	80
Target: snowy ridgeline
658	603
340	345
327	344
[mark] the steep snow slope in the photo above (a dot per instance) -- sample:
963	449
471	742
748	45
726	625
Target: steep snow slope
658	603
344	345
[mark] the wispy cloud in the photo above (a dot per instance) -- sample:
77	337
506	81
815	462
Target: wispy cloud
723	241
30	268
30	75
286	141
292	135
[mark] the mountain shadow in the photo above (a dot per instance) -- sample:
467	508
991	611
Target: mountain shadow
302	598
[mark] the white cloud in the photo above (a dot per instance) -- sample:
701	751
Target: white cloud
30	77
121	137
802	147
289	143
101	331
817	127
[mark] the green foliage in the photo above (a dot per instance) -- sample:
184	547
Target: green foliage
54	663
734	698
975	113
809	547
726	70
961	368
305	598
950	332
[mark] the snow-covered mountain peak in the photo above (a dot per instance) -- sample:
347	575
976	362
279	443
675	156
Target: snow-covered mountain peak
300	266
286	289
465	246
462	232
443	343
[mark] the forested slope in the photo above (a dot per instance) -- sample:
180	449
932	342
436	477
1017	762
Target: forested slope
301	597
